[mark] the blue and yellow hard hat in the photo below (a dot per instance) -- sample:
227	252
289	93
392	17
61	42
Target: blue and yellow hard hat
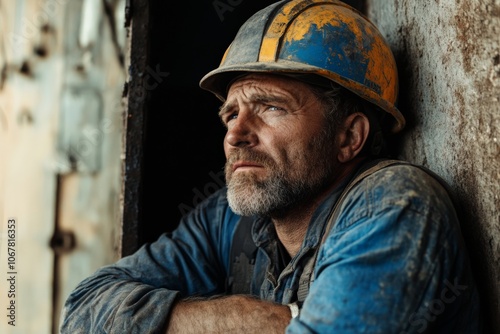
325	38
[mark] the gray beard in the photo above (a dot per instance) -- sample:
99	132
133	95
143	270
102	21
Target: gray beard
248	197
283	189
274	196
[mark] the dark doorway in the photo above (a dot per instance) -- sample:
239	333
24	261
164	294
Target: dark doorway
183	153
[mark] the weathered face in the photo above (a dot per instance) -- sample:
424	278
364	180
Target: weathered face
277	148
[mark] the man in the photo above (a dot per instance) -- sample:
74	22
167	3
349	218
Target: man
334	239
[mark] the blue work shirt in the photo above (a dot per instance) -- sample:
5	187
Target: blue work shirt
394	262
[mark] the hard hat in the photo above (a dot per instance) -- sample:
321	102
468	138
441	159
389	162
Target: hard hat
326	38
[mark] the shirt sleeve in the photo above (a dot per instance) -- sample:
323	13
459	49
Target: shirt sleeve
136	294
393	263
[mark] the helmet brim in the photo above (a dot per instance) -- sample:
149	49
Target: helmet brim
219	80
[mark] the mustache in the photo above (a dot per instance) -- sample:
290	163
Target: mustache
247	155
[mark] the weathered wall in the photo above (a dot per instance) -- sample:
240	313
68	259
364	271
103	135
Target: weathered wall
448	52
61	82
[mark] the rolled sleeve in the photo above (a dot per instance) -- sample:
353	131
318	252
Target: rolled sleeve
110	301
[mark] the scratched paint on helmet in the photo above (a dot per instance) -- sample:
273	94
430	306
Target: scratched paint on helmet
288	37
270	43
245	47
350	34
340	57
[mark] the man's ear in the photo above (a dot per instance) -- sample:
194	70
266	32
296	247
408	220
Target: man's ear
352	136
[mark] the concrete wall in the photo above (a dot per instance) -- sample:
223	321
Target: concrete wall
448	52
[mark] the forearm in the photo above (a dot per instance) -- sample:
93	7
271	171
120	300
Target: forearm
230	314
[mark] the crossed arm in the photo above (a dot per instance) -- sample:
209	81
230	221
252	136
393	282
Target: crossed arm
231	314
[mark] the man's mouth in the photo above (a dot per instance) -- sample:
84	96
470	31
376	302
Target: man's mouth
245	165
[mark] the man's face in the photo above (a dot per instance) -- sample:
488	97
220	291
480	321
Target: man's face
277	149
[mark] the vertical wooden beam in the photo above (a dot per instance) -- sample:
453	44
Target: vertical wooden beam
138	16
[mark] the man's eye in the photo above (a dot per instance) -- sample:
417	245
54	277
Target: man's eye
230	117
274	108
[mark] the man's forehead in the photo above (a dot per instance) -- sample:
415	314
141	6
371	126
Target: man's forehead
265	79
268	88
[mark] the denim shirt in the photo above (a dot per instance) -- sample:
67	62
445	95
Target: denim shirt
394	262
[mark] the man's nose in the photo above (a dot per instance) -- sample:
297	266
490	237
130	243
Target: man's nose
241	131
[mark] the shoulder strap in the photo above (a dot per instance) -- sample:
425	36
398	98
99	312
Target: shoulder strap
364	172
242	258
307	276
